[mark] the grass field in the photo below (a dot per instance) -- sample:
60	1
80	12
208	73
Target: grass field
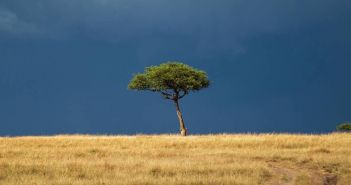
246	159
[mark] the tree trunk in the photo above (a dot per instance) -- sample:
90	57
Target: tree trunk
183	130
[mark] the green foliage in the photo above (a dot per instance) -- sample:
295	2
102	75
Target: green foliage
344	127
173	80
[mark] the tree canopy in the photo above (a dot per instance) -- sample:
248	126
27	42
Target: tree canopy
173	80
345	127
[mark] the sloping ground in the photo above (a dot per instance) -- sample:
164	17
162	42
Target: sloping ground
242	159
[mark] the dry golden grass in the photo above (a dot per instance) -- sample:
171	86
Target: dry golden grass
246	159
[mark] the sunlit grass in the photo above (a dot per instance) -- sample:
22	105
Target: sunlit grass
246	159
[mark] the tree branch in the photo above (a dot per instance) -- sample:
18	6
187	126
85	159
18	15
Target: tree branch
166	95
184	93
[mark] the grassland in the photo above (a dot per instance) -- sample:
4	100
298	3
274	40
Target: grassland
247	159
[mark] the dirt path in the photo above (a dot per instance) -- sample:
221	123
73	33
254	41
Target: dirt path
283	176
299	176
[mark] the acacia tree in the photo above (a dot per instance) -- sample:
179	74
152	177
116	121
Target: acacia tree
173	80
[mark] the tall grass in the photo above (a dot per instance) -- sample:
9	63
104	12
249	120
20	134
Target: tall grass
246	159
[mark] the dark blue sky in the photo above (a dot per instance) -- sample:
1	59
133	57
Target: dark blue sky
275	66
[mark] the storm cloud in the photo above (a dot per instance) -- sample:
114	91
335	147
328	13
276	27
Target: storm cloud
207	25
